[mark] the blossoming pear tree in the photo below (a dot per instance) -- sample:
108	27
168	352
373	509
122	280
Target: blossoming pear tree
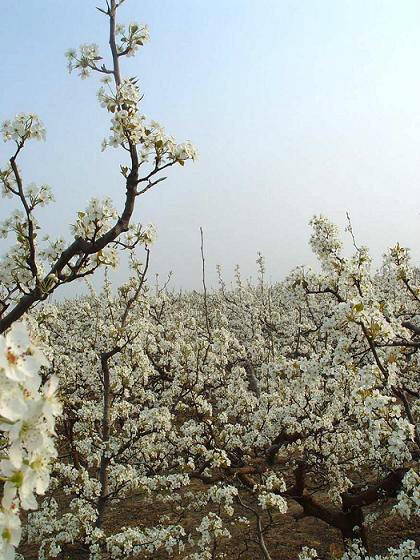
257	401
240	406
31	270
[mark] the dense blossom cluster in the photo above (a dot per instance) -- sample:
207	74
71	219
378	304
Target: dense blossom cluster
406	551
409	498
27	418
129	125
23	127
130	38
237	406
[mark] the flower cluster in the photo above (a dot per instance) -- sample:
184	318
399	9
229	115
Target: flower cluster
406	551
27	418
95	220
129	125
85	60
24	126
409	498
131	38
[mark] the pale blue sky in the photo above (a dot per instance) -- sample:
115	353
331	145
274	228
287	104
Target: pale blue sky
296	107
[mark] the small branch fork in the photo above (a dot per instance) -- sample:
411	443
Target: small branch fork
260	529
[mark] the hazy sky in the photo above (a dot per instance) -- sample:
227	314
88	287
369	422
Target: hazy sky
297	107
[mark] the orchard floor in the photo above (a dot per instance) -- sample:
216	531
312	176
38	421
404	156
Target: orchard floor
284	541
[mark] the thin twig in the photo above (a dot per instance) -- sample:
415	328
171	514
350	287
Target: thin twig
204	284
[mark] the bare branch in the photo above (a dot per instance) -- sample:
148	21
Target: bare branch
411	327
203	270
